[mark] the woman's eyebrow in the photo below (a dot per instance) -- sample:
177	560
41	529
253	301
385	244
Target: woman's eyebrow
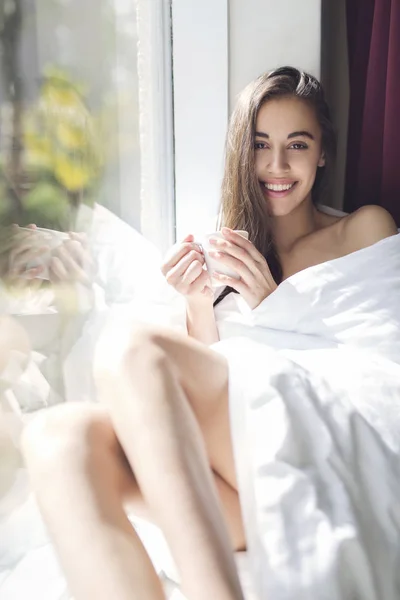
301	133
291	135
261	134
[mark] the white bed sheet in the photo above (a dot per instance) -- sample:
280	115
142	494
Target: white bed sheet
315	419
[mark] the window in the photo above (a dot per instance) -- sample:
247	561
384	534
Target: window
86	112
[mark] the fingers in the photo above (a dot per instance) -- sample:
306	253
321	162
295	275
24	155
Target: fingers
235	241
16	235
57	270
236	264
63	270
189	277
183	269
235	256
174	275
25	253
70	262
192	272
21	259
78	251
177	252
236	246
188	238
174	256
237	284
79	237
27	231
199	284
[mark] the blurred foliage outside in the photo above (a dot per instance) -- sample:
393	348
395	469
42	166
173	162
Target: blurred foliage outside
60	159
56	149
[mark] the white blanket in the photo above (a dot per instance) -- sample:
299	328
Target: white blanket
315	411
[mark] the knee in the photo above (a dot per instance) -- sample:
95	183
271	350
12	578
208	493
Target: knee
119	353
63	436
147	346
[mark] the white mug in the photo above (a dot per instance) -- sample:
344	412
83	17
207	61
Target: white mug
214	264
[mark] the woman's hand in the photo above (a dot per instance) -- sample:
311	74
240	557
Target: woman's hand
20	248
71	261
183	269
69	266
71	272
237	253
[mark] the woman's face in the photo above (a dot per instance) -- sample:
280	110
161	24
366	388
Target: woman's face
287	153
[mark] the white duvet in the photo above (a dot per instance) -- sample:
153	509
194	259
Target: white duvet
315	412
315	407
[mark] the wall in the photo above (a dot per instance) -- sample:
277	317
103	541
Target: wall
264	34
200	63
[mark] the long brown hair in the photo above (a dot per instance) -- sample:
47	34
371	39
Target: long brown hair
243	204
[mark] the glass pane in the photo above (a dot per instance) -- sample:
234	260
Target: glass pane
69	110
69	139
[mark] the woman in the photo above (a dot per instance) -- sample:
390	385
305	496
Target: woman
163	442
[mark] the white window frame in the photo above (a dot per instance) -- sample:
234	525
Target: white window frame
201	88
183	103
156	122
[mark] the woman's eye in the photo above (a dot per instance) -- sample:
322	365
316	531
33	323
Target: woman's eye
259	146
299	146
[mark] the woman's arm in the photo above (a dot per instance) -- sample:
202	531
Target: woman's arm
183	268
200	319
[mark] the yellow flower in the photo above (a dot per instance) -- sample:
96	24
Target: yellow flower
70	136
38	150
72	175
60	96
60	134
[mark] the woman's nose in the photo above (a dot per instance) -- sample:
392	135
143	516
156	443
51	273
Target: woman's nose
277	162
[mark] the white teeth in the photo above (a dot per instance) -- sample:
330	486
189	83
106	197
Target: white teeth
278	187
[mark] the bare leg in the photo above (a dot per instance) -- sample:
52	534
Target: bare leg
82	480
229	499
78	473
151	412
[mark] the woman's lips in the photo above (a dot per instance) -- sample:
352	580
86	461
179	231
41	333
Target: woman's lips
278	193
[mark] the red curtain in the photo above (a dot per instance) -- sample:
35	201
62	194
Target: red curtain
373	150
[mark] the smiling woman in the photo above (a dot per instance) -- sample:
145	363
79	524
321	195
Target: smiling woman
280	134
287	161
280	154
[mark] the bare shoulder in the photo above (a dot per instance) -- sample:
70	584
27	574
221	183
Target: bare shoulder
366	226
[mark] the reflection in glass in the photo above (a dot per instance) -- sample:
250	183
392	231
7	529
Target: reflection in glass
68	110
